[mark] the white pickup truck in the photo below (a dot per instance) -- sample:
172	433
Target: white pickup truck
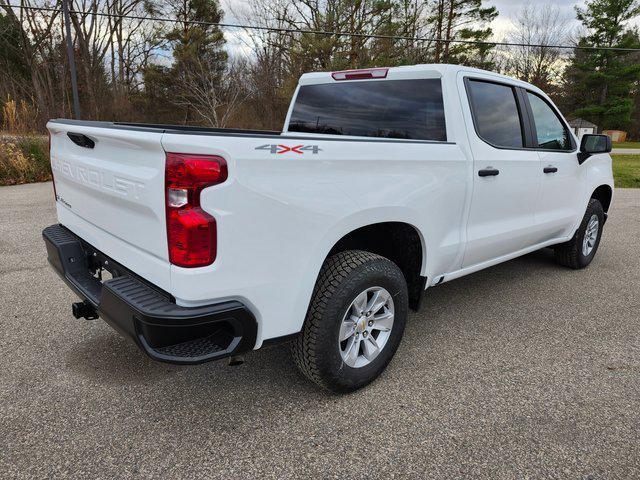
204	243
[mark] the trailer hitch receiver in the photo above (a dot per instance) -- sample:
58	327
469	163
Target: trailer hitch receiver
84	310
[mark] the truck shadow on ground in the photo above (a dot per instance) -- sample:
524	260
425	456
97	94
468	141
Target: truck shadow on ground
108	359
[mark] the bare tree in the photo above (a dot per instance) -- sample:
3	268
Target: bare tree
213	98
269	78
282	54
36	43
414	23
539	24
131	41
111	48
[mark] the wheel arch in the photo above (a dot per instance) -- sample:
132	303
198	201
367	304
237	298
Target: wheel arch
604	194
400	242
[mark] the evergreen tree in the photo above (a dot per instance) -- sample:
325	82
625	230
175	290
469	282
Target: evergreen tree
463	20
199	58
11	58
600	83
195	42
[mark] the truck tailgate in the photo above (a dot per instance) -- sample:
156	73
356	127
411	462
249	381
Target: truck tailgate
110	186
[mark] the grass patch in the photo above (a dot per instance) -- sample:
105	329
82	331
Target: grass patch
626	171
24	160
626	144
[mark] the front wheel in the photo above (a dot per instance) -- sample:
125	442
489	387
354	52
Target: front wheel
580	250
355	321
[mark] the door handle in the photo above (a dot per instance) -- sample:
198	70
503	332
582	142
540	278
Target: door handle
550	169
488	172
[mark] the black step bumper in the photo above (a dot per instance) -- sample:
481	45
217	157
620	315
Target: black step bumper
149	316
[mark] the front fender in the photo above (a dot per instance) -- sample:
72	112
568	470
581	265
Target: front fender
599	172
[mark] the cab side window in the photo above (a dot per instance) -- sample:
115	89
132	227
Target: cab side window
495	114
551	132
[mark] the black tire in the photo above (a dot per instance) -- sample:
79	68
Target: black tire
342	277
570	254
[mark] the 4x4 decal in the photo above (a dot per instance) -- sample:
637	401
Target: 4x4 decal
299	149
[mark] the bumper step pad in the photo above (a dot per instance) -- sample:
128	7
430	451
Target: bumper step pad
194	348
144	313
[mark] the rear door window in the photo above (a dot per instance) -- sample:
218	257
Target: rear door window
409	109
495	114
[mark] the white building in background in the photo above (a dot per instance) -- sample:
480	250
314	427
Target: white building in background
581	127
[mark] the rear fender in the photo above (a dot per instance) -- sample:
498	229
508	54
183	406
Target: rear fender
342	228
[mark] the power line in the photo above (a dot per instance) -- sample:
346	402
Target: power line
325	32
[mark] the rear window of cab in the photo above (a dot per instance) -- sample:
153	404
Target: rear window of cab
407	109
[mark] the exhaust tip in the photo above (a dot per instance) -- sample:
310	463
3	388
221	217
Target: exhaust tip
236	360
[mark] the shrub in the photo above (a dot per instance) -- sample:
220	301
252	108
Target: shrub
24	160
19	117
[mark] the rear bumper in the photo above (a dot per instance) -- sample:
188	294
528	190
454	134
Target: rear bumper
163	330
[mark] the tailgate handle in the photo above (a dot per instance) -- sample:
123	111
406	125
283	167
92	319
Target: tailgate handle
81	140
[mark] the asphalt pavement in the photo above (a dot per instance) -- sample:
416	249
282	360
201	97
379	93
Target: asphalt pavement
524	370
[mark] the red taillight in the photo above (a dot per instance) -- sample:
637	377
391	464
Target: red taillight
191	232
360	74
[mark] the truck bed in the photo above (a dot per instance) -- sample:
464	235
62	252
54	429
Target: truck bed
161	128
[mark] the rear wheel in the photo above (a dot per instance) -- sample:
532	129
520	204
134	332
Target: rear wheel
580	250
355	321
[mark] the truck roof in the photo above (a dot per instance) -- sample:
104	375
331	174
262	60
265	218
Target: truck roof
405	72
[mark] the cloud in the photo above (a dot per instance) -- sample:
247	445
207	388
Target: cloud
508	9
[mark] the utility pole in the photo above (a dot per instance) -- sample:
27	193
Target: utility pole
72	59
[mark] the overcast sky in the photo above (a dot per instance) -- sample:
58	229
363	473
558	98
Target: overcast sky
510	8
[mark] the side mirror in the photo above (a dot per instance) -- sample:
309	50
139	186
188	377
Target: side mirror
593	144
